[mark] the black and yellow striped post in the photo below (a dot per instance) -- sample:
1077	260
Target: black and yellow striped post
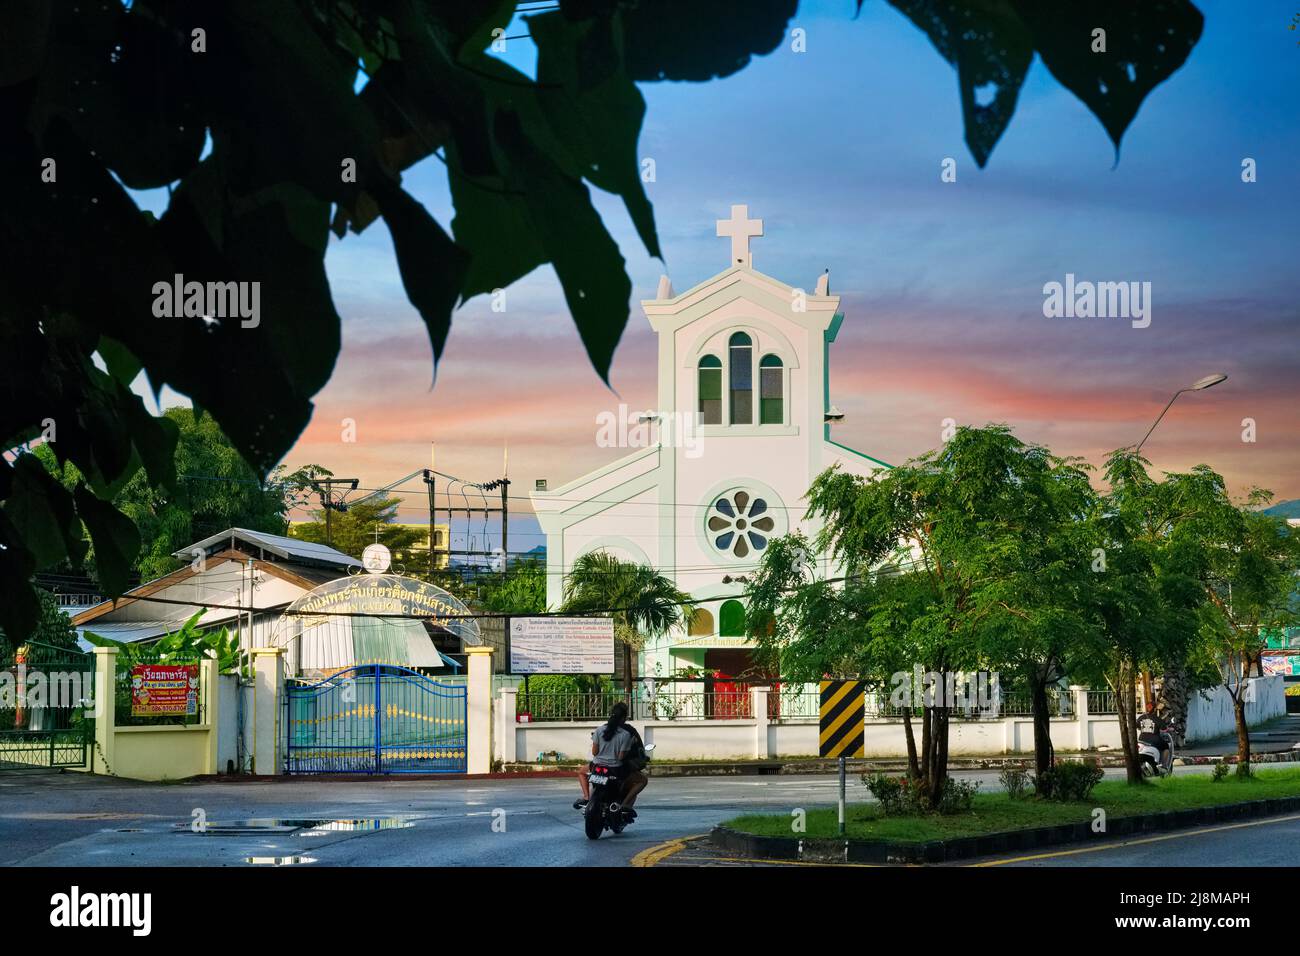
842	713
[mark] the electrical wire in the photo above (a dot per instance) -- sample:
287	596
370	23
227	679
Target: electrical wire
424	491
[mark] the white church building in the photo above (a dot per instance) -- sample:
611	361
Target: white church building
744	358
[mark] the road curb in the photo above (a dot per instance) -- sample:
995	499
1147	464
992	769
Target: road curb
761	768
240	778
990	844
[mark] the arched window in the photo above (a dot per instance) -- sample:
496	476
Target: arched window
732	618
771	391
702	623
741	358
710	385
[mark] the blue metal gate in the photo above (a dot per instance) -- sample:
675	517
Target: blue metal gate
375	718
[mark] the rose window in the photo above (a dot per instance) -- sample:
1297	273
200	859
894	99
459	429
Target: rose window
739	523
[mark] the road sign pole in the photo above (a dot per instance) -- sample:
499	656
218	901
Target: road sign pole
842	771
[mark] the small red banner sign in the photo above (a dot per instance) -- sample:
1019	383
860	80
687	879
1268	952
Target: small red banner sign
164	689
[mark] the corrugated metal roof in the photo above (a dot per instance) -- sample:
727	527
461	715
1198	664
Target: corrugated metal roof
125	632
277	544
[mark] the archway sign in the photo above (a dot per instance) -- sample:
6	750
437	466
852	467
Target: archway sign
326	630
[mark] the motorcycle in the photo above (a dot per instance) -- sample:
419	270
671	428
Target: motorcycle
1154	761
603	810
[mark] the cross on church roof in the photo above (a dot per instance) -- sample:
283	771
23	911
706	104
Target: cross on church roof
741	229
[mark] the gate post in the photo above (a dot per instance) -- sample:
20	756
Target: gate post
268	698
478	710
507	707
1081	716
105	713
758	710
211	704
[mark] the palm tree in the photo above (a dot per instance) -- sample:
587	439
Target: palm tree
649	603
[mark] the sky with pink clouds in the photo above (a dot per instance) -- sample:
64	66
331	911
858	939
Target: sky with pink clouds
838	150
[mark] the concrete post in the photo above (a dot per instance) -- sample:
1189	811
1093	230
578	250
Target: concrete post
104	712
1081	715
478	730
758	709
268	694
208	674
507	707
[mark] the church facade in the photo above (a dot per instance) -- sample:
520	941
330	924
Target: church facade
743	359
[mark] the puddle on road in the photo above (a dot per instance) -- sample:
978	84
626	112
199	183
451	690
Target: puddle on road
305	827
363	823
279	860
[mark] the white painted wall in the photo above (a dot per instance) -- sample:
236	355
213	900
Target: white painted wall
1210	713
792	737
228	694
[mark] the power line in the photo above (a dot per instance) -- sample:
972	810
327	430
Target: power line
421	491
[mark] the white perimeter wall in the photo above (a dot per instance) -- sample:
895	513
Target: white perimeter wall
1210	713
228	693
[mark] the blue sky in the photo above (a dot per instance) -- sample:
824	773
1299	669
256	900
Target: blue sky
838	150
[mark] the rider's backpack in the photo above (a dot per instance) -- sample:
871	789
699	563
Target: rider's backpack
636	757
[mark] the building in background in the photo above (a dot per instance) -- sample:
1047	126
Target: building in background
721	466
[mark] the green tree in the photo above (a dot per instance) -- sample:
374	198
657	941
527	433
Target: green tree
1250	562
300	147
519	590
807	629
644	602
1145	595
53	630
984	521
215	490
350	531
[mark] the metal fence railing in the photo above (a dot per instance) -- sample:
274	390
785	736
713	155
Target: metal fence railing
1060	703
655	699
46	707
1102	702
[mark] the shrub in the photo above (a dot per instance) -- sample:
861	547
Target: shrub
1016	781
898	796
1219	773
885	789
1069	780
958	796
905	797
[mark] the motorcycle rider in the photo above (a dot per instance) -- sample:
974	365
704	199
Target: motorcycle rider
1154	730
611	745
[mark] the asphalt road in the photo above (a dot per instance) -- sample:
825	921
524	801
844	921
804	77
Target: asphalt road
67	820
1270	842
71	820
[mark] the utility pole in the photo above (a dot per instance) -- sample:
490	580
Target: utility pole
433	533
325	486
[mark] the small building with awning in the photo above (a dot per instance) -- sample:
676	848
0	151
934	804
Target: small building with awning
313	600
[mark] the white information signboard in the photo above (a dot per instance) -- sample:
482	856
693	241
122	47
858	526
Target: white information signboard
561	645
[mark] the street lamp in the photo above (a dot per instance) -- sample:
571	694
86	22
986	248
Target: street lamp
1198	386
